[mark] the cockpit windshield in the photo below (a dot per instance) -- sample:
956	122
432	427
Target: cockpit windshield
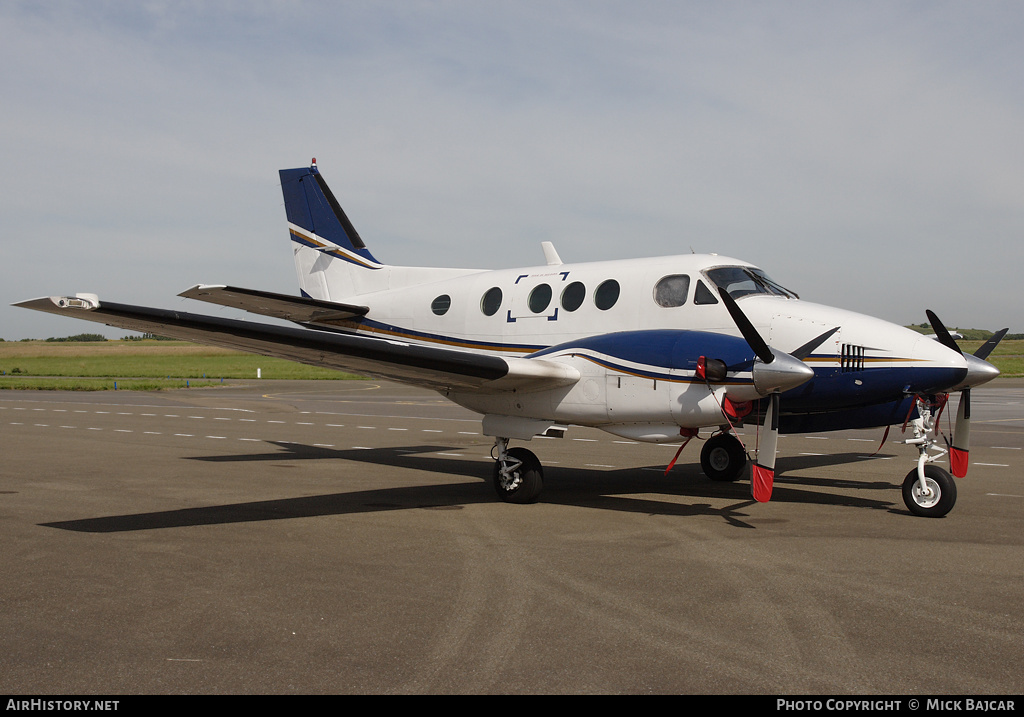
742	280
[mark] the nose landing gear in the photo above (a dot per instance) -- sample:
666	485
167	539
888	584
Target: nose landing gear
928	490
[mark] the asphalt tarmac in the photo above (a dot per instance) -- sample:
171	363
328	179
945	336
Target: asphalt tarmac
344	537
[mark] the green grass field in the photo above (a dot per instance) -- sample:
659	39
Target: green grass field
138	365
152	365
1008	356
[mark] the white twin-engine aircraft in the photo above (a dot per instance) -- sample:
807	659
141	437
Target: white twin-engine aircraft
647	349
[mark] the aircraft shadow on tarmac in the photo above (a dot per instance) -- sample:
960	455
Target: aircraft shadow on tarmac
619	490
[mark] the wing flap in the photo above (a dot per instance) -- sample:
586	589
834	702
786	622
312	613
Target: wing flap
280	306
379	358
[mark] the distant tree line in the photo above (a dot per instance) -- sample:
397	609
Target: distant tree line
80	337
100	337
968	334
148	337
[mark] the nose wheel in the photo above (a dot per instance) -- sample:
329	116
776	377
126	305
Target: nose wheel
931	498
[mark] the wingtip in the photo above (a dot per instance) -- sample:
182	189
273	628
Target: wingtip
57	304
200	290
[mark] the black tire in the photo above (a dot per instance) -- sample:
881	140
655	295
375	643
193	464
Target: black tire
936	505
524	483
722	458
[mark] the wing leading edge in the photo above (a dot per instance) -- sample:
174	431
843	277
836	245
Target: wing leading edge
378	358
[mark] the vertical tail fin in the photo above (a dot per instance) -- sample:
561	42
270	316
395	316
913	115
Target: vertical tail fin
322	235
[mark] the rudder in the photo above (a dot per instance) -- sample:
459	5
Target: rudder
320	231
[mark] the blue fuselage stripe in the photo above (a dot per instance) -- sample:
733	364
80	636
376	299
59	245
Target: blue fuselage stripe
672	355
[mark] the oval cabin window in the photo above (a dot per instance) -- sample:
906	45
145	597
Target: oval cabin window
491	301
441	304
573	296
606	295
540	297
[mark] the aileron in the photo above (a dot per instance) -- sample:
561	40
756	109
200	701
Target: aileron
281	306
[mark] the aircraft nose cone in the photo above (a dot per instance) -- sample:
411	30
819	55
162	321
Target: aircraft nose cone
782	374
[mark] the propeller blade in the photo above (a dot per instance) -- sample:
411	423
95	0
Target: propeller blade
746	328
989	346
958	460
774	373
978	371
762	475
806	350
941	333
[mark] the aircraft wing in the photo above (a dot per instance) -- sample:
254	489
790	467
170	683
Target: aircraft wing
379	358
281	306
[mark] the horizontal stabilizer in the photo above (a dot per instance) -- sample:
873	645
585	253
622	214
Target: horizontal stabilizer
378	358
300	309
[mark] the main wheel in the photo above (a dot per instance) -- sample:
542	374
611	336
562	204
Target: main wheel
722	458
937	500
523	478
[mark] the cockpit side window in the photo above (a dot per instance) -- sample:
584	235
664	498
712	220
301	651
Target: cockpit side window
702	294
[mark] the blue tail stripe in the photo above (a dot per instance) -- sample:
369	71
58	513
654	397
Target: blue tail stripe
309	204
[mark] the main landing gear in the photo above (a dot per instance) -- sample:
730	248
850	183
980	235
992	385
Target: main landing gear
723	457
518	475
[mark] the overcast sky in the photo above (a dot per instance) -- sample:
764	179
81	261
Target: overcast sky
867	155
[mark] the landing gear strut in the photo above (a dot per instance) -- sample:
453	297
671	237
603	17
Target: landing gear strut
723	458
929	490
518	475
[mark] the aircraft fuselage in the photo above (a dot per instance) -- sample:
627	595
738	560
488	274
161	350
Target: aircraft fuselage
636	329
